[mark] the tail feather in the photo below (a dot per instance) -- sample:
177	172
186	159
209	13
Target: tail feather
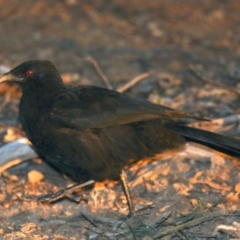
224	144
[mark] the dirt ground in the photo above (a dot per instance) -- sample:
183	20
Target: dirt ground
192	194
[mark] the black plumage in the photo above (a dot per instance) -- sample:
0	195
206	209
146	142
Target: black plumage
94	133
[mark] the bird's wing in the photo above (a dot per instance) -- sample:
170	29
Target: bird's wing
94	107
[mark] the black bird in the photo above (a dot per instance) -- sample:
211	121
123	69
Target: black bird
92	133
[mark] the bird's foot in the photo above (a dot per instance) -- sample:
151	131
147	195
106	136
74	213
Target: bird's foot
68	192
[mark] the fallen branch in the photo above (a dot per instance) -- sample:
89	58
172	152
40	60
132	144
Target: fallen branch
15	153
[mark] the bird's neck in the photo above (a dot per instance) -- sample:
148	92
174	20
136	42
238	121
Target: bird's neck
39	99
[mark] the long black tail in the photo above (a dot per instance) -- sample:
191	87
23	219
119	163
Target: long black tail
224	144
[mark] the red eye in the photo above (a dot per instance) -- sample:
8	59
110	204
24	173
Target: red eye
29	73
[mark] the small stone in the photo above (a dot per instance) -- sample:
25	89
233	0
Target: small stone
28	227
35	176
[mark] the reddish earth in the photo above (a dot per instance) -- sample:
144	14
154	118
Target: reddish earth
127	39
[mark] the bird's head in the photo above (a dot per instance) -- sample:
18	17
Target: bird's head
35	75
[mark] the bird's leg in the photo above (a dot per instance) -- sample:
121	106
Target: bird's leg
67	192
127	193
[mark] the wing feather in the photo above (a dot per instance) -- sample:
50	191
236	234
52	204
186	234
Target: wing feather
94	107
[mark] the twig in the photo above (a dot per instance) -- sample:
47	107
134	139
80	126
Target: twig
102	220
95	228
122	89
161	219
201	236
99	71
205	218
133	82
203	78
67	192
98	232
181	235
88	218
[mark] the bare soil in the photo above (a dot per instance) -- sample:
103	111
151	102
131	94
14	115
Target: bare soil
129	38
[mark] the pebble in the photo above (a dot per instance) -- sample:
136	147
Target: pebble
35	176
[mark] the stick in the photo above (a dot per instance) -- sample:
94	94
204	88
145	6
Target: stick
100	72
133	82
205	218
